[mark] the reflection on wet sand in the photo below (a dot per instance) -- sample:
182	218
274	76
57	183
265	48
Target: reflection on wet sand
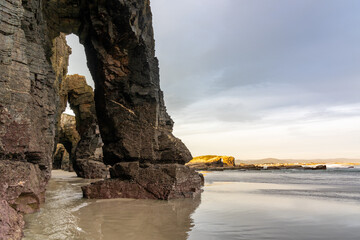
251	205
137	219
66	215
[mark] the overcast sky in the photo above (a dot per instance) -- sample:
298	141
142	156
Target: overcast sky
259	78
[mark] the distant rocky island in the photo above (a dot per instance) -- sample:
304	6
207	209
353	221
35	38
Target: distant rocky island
218	163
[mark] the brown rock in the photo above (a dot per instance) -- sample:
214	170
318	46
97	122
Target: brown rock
68	135
148	181
22	185
11	222
91	169
125	170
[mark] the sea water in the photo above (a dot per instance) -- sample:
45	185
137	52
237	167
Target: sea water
279	204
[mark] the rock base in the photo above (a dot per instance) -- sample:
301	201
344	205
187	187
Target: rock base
11	222
22	187
147	181
91	169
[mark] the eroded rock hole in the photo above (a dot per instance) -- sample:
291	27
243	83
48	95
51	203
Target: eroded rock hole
78	129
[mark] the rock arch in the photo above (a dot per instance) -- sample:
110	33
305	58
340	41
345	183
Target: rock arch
134	125
86	154
119	45
62	159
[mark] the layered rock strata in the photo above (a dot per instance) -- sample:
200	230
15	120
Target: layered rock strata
22	186
119	45
21	191
11	223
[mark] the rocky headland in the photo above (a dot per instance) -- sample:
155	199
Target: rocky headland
220	163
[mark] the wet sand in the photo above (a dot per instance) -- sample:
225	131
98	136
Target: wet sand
234	205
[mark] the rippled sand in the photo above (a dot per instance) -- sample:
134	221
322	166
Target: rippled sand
235	205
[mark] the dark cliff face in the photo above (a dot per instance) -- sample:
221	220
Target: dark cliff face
119	44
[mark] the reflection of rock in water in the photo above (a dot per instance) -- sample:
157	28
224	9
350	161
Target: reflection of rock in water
55	220
138	219
66	215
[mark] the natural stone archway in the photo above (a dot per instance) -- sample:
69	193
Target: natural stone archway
87	156
62	159
119	44
81	99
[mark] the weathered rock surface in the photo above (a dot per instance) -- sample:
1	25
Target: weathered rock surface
81	99
147	181
22	185
68	135
119	44
85	148
11	222
91	169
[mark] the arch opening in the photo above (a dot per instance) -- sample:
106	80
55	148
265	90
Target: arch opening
79	131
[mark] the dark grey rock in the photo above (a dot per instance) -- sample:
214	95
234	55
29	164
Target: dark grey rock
119	44
147	181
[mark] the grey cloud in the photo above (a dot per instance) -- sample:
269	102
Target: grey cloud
262	55
209	47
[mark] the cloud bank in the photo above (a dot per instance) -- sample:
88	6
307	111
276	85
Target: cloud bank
256	79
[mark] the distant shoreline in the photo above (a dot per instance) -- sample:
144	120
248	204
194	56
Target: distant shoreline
299	161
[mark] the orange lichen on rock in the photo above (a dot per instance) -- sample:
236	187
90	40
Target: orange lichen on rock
213	159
